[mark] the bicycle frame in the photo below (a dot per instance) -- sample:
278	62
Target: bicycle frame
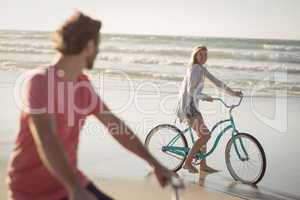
183	151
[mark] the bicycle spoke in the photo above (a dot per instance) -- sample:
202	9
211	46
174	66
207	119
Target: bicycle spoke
161	137
247	170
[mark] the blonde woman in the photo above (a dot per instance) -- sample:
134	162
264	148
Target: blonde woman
189	95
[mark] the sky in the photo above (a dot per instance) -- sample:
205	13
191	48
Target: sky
277	19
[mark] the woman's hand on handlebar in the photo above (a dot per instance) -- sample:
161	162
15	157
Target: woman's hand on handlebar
207	98
237	93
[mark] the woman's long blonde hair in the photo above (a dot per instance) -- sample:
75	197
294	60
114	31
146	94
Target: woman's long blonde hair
193	59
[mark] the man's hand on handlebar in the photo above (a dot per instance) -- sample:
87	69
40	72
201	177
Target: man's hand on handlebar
163	175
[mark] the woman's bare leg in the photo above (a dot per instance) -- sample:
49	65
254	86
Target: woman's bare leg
202	131
196	125
203	164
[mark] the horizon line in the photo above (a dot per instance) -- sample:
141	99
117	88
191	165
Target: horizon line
165	35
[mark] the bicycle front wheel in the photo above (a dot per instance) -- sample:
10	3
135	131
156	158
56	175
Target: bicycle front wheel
245	159
171	155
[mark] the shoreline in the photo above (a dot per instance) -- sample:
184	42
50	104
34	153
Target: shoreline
99	74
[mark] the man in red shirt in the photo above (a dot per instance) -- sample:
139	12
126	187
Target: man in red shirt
57	99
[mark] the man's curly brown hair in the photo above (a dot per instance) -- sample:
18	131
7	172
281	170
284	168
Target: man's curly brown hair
72	37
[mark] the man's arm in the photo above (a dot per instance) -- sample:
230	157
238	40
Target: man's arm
124	135
52	153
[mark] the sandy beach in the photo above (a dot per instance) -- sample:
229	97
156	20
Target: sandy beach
149	190
146	190
122	175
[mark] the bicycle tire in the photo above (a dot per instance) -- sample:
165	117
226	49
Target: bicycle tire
175	131
259	150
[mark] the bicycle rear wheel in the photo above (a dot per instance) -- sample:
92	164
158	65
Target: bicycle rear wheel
250	167
158	139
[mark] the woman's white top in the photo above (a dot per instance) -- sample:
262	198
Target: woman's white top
191	89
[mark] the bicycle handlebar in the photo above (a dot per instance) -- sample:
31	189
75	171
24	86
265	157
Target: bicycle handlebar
229	106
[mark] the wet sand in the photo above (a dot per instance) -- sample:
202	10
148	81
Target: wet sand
212	188
149	190
104	161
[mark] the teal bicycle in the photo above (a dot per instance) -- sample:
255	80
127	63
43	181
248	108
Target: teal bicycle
244	155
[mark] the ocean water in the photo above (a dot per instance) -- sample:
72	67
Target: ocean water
258	67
